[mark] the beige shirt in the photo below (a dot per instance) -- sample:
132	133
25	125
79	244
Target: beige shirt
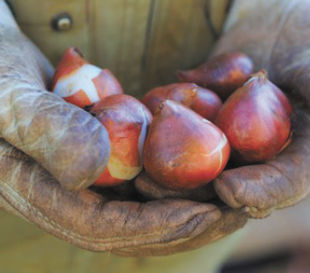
142	41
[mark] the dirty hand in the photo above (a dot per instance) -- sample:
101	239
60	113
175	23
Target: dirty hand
49	149
275	34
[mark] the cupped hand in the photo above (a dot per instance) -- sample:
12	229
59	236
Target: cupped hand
275	35
49	148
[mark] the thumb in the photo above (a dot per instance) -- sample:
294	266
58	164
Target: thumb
67	141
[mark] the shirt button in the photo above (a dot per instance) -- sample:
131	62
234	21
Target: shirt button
62	22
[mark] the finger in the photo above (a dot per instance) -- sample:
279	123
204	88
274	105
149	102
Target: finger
230	221
281	182
71	144
4	205
87	220
152	191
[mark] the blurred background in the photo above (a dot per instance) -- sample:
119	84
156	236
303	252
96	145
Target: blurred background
277	244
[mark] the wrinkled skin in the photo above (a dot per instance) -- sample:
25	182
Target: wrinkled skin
276	38
92	221
40	123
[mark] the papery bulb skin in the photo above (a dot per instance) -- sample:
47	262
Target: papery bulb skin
256	120
81	83
223	74
182	149
201	100
127	121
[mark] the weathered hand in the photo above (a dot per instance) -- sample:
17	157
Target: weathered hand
93	221
55	146
67	141
275	35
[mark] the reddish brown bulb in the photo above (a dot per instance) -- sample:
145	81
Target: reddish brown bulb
256	120
183	150
223	74
201	100
82	83
126	120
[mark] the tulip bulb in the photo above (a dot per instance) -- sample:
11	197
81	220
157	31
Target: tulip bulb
126	120
201	100
223	74
82	83
256	120
182	149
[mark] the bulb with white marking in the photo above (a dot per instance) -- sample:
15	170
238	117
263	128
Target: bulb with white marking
126	120
81	83
182	149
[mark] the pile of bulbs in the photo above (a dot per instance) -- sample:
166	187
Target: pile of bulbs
181	133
